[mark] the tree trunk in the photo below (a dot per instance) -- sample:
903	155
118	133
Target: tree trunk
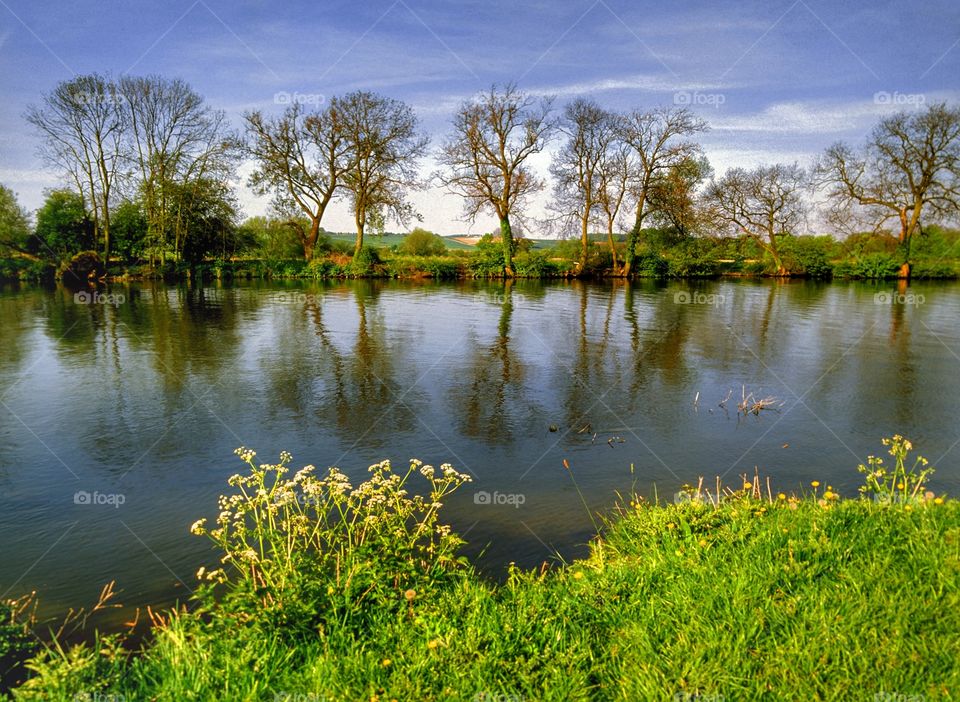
613	249
777	261
904	272
310	240
506	238
359	219
106	238
584	242
630	255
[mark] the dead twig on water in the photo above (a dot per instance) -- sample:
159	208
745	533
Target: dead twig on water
723	402
749	404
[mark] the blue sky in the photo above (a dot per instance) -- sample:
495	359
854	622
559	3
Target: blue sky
776	80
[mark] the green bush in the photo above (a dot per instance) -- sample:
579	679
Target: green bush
534	264
925	269
321	268
486	260
568	249
862	244
21	268
651	265
694	258
420	242
440	267
365	262
808	255
874	266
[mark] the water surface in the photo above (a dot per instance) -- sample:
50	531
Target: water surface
146	398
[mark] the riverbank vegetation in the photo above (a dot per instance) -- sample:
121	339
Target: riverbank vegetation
326	590
663	254
149	172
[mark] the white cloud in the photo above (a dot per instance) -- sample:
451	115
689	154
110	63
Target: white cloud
818	117
647	82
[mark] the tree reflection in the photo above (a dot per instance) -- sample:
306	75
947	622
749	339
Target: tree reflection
657	350
484	403
353	386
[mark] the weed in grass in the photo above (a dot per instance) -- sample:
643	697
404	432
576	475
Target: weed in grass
899	483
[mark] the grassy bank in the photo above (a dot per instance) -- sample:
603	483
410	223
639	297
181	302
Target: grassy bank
759	596
661	255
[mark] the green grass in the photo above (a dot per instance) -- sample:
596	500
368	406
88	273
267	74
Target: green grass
757	599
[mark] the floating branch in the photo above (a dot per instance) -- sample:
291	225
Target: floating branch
749	404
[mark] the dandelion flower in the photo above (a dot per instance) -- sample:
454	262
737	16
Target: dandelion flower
410	594
815	483
938	500
781	496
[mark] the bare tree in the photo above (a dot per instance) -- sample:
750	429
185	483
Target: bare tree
613	185
576	168
908	168
176	140
383	140
763	204
82	125
485	156
657	139
301	159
